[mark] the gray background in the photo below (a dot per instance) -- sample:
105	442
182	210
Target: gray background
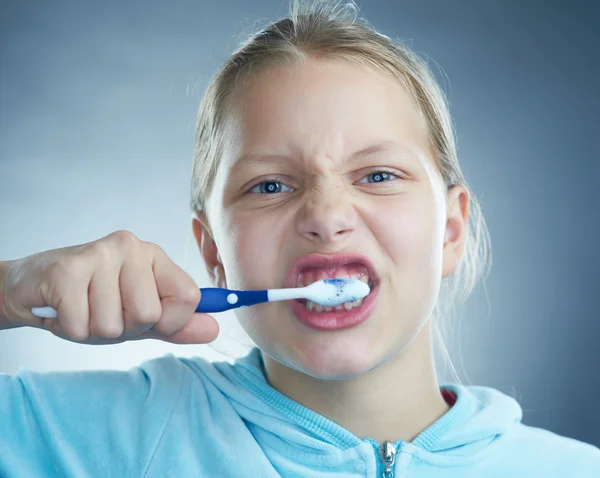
97	109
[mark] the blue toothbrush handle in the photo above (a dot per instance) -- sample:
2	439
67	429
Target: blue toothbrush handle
215	299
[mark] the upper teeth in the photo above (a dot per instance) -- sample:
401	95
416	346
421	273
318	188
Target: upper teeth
302	281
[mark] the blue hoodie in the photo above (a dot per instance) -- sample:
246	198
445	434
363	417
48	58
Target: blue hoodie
176	417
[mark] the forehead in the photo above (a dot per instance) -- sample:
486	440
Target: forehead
332	107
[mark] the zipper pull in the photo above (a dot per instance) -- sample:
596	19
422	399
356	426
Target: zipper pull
388	457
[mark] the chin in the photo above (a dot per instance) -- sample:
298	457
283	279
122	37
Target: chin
338	360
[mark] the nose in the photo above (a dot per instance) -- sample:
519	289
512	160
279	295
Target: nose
327	216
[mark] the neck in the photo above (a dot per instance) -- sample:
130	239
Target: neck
373	405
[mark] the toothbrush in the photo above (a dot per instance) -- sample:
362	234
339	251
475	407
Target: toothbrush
326	292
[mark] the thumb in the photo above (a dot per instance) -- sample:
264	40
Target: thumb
200	329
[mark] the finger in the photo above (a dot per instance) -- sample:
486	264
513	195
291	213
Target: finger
106	311
53	326
200	329
72	317
179	294
139	296
73	314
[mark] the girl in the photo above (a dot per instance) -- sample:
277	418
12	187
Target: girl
323	149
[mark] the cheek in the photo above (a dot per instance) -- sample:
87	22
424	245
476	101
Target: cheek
410	240
408	230
252	246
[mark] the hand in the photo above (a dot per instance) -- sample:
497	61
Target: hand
115	289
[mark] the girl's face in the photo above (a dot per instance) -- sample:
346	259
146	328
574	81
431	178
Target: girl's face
289	185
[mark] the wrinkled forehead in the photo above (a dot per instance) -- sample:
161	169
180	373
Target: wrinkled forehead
333	108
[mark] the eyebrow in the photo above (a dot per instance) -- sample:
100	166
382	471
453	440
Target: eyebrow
376	148
382	146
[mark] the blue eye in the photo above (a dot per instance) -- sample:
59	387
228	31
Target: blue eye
379	177
269	187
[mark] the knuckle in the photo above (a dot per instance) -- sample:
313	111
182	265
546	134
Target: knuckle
125	239
189	294
102	251
148	316
155	249
79	336
109	330
164	328
75	332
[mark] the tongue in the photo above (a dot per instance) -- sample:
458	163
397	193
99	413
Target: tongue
313	274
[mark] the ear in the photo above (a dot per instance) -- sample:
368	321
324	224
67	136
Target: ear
456	228
208	249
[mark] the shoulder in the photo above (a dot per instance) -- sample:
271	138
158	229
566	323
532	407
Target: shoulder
156	382
153	386
194	378
563	455
94	413
175	375
515	446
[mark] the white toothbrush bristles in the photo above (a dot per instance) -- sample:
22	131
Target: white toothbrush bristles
326	292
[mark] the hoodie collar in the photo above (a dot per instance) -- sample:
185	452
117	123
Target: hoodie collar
478	415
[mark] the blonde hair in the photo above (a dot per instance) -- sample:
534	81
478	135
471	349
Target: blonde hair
332	30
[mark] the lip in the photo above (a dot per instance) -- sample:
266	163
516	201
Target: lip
333	320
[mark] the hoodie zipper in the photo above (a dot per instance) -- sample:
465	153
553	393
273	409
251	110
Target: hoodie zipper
387	452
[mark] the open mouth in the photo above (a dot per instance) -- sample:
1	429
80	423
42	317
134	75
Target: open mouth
315	267
347	271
